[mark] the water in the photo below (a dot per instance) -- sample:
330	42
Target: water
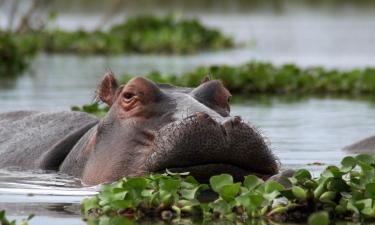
300	131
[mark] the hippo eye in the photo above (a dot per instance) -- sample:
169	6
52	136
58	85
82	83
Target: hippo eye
128	95
229	98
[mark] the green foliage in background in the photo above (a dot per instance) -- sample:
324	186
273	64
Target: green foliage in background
5	221
339	193
143	34
257	77
93	108
14	54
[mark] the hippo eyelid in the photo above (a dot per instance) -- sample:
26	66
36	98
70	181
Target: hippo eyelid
128	95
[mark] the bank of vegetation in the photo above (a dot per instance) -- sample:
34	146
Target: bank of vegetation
339	193
256	77
15	54
142	34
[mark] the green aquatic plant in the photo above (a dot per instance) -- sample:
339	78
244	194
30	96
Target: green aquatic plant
346	192
93	108
14	56
142	34
257	77
5	221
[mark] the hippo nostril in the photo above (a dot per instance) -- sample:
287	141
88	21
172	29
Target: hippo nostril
224	131
202	115
237	120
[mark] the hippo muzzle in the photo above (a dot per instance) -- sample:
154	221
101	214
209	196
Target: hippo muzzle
205	147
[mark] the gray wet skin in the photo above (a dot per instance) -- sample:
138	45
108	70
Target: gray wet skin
149	127
366	145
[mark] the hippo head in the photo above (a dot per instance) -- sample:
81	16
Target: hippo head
153	127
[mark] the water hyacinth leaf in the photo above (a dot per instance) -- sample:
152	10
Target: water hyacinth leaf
271	186
365	203
352	208
191	193
119	220
338	185
321	187
365	166
251	182
318	218
250	200
121	204
348	163
169	185
221	206
370	190
302	174
368	159
136	183
218	181
90	203
299	193
229	191
328	196
332	171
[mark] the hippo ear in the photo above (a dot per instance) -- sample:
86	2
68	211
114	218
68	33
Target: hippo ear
206	79
107	89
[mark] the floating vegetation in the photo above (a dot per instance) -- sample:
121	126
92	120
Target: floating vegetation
339	193
5	221
93	108
143	34
14	55
257	77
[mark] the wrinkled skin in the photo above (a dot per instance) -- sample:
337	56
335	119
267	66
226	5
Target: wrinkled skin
366	145
149	127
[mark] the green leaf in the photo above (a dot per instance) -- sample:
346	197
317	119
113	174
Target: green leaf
338	185
229	191
348	163
169	185
218	181
370	190
250	200
121	204
87	204
299	193
271	186
327	196
119	220
136	183
319	218
251	182
368	159
302	174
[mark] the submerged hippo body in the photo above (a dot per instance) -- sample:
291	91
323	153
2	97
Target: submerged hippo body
366	145
149	127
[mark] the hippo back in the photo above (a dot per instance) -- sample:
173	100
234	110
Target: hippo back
25	136
366	145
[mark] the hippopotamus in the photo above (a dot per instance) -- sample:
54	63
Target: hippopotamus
149	128
366	145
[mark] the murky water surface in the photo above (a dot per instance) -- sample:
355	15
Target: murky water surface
300	132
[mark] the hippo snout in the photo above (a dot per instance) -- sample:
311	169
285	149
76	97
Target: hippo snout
203	146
